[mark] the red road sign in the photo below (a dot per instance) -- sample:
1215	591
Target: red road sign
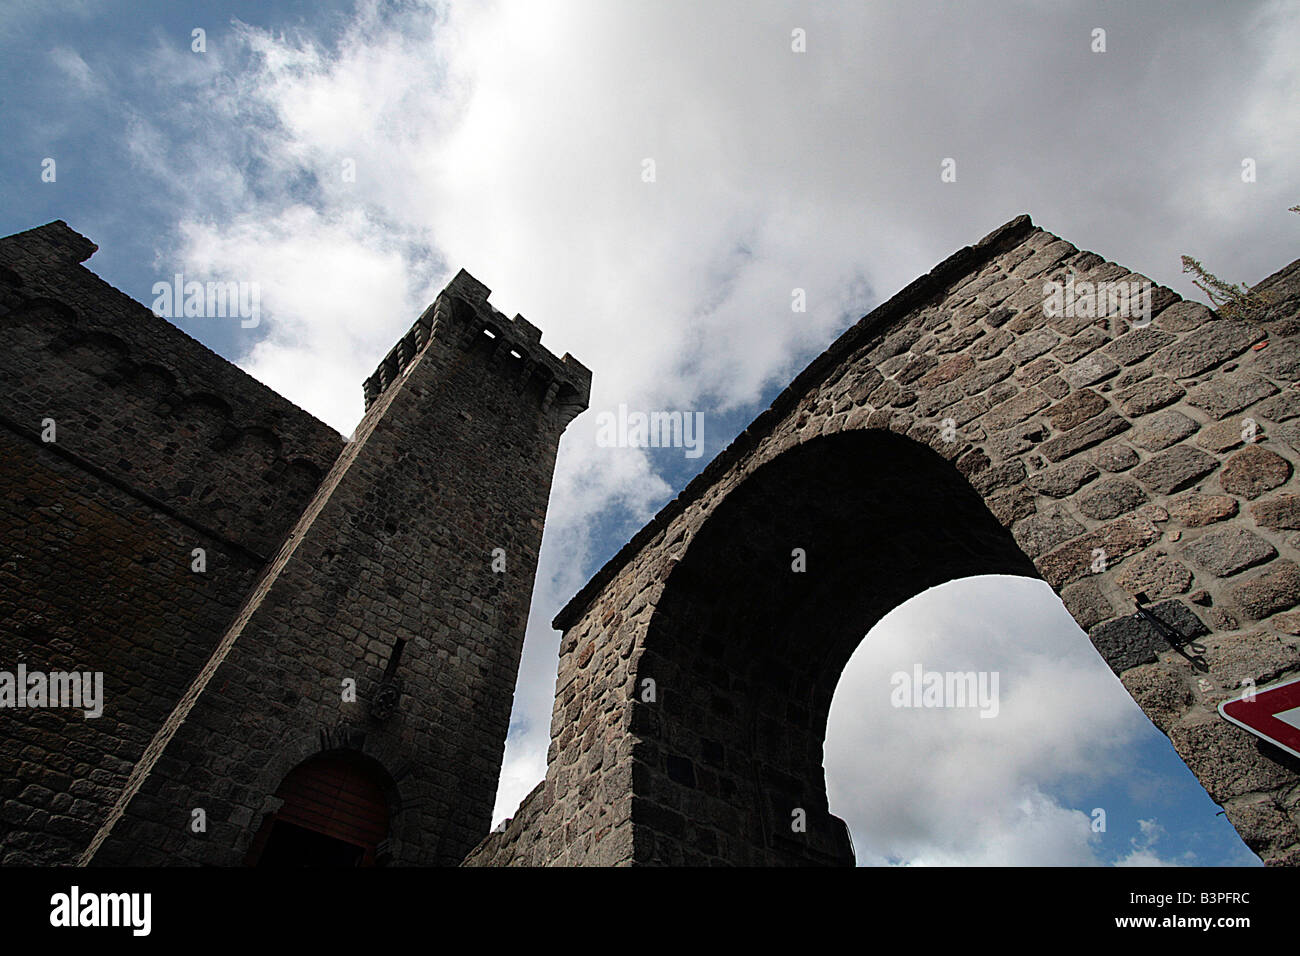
1269	712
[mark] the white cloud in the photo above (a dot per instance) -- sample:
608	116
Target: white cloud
508	139
74	68
945	786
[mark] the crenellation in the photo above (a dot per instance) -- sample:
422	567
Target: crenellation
1082	435
222	721
1112	455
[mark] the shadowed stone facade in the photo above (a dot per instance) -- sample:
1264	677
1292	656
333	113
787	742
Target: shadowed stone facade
1104	458
220	684
956	430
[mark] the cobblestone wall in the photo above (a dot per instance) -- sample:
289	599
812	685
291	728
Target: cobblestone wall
452	462
1117	459
160	447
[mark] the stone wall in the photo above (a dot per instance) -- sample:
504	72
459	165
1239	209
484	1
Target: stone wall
1113	460
452	461
161	447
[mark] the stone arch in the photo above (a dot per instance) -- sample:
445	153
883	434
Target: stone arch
207	418
1111	449
100	354
256	449
347	744
301	476
333	808
745	652
153	380
43	308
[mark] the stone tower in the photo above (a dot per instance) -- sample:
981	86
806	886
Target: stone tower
386	631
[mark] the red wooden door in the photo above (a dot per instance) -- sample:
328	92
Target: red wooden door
334	814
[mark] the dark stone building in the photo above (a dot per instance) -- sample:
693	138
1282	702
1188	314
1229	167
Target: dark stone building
346	661
963	427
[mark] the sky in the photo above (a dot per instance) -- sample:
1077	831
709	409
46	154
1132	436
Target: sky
350	157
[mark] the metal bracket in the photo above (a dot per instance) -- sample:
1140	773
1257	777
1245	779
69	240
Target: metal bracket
384	704
1177	641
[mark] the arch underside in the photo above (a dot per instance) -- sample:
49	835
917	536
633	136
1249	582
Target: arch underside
745	651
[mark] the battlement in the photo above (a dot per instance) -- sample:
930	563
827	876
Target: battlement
137	397
463	315
56	241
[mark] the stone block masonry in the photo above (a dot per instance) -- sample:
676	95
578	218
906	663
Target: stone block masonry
321	557
958	429
452	461
160	447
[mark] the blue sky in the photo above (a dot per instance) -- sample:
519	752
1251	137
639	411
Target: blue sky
509	139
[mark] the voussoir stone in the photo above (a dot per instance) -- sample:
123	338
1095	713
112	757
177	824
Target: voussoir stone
1092	432
1131	640
1253	471
1226	759
999	476
1228	551
1011	504
1115	541
1077	407
1020	438
1162	694
1206	347
1276	589
1062	480
1195	510
1043	531
1110	498
1175	468
1086	604
1162	429
1280	513
1148	395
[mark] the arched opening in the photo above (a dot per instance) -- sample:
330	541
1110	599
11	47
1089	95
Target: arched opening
334	813
1058	767
746	645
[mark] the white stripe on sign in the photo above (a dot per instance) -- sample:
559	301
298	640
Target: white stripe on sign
1291	717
